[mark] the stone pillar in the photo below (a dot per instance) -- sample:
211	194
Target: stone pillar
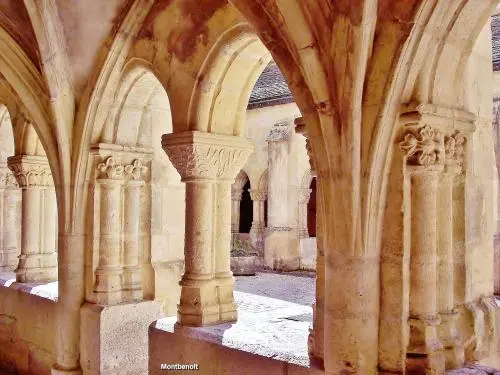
109	272
132	266
281	250
38	259
235	209
304	195
208	164
9	220
258	230
424	150
448	333
316	340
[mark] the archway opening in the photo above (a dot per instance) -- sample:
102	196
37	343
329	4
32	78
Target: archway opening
246	209
311	210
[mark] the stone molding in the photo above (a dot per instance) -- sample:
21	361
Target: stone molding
199	155
30	170
7	178
112	169
258	195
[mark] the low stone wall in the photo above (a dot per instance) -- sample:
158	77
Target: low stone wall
308	253
211	358
27	330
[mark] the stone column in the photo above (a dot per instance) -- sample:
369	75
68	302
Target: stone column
281	250
448	333
258	230
304	195
235	209
38	259
109	272
132	267
9	220
316	339
424	150
208	164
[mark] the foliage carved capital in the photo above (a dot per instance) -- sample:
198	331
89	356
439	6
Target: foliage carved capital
198	155
7	179
454	146
111	168
423	146
30	171
258	195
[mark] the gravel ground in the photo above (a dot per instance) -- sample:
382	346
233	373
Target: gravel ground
291	288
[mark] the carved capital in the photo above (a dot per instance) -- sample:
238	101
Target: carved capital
280	132
7	179
300	128
198	155
236	194
258	195
304	195
31	170
111	169
454	146
135	170
423	146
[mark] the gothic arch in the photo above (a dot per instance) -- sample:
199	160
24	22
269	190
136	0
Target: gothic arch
6	135
262	182
230	71
99	95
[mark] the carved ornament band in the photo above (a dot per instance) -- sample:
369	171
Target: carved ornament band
31	170
202	155
112	169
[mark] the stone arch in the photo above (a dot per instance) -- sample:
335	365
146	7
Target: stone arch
7	146
132	132
230	70
262	181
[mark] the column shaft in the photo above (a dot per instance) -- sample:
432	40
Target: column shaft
223	274
132	282
108	284
425	349
198	304
11	227
448	334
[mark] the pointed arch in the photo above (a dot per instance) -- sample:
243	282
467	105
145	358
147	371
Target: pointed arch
225	81
99	96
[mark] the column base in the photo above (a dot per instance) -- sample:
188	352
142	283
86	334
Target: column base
228	310
36	268
425	352
452	343
108	286
477	326
132	284
281	250
198	304
34	275
8	259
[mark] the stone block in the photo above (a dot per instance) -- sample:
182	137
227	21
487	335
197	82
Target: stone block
114	339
